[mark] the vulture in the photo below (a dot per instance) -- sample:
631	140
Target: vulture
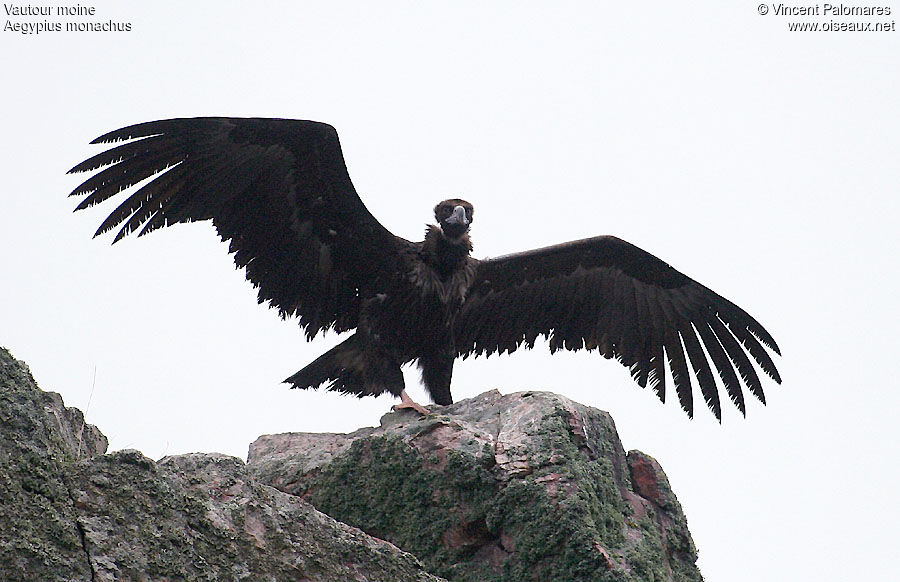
279	191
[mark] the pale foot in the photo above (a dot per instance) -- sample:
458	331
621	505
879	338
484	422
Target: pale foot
407	402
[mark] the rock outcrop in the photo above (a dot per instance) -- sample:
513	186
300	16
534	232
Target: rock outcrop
69	512
526	486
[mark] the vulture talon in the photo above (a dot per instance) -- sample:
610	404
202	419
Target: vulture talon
407	402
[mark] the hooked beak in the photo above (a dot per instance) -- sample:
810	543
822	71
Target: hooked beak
458	216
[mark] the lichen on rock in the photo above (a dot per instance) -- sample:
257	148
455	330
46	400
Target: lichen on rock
39	534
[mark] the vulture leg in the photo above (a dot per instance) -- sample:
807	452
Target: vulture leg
407	402
437	369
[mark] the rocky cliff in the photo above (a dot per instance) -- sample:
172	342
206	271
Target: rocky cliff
527	486
70	512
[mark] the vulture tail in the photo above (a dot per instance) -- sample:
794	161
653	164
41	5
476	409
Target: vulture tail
353	366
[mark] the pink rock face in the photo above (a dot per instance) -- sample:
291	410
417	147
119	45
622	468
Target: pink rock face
645	476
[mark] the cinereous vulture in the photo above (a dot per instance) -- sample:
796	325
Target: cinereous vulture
279	191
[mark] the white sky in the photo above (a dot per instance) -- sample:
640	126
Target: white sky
763	163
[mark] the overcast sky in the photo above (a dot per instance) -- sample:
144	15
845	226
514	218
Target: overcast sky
759	161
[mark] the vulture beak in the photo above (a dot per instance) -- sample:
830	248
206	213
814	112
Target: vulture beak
458	216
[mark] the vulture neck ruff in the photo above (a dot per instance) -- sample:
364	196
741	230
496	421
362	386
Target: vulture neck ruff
445	269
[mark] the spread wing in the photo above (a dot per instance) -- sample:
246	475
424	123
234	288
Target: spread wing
278	189
606	294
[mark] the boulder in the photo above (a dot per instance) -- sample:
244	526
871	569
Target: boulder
524	486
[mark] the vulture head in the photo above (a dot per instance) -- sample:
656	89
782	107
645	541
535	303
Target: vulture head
454	216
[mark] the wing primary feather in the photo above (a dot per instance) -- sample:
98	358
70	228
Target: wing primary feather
180	126
152	207
701	370
163	216
680	375
656	319
732	313
630	332
759	353
136	150
657	376
144	196
115	179
644	342
723	365
739	357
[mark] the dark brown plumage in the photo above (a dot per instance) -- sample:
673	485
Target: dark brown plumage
279	191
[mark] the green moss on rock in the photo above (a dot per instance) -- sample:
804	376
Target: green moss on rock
384	487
